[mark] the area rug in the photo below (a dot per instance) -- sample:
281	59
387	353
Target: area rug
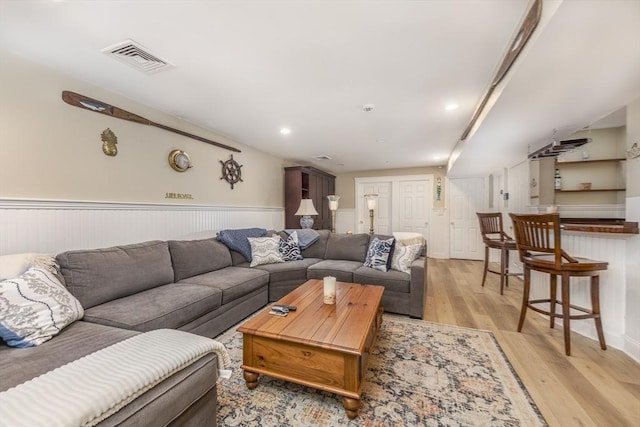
420	374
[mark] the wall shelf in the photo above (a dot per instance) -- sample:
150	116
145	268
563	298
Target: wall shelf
591	190
573	162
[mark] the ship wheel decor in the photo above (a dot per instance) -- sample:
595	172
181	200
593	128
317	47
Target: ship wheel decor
231	171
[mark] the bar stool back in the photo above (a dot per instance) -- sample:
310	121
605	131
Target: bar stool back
494	237
538	241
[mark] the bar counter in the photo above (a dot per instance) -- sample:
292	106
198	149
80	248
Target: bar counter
599	225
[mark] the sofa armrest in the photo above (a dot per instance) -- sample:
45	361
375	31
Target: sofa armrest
418	287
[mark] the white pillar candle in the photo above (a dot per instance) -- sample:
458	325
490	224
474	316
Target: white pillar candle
329	284
333	205
371	204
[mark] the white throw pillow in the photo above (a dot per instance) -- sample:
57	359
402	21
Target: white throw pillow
15	264
34	307
403	256
265	250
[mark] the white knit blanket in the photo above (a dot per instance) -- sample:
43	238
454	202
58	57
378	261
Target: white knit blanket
90	389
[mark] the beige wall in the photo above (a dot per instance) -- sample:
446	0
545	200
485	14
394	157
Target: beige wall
345	183
52	150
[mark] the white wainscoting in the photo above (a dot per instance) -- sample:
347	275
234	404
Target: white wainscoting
55	226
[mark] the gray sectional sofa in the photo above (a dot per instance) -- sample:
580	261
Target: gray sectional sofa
198	286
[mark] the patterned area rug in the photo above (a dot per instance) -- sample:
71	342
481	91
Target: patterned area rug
420	374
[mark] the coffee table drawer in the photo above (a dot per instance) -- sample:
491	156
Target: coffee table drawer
313	366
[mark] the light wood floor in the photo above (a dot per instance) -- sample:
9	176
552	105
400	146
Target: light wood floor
592	387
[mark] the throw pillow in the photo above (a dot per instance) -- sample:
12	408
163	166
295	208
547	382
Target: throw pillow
265	250
289	248
378	254
409	239
403	256
15	264
236	240
34	307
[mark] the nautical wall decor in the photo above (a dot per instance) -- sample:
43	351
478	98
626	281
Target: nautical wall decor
109	141
94	105
231	171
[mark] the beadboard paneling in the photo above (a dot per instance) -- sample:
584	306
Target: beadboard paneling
56	226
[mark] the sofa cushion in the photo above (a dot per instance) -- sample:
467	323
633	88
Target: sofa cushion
169	306
96	276
234	282
378	254
34	307
290	270
265	250
78	339
349	247
289	248
340	269
193	257
318	249
236	240
392	280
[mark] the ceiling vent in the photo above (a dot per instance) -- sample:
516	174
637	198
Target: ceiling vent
322	158
556	148
137	56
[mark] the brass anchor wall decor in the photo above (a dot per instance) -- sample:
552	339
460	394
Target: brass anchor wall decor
231	171
109	141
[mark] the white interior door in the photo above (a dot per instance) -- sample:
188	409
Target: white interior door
466	195
382	214
414	206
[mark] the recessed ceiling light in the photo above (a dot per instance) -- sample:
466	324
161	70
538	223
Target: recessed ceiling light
285	131
436	157
452	106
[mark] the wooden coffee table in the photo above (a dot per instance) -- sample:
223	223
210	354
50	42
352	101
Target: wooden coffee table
321	346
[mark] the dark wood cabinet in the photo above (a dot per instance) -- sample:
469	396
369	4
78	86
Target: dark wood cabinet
306	182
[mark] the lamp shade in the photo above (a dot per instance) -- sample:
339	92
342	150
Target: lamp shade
306	208
371	201
333	202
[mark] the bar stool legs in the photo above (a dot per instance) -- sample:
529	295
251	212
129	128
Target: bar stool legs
486	264
595	308
504	268
565	305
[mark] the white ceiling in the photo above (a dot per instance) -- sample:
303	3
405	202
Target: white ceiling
244	69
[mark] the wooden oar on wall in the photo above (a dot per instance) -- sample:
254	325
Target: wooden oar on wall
91	104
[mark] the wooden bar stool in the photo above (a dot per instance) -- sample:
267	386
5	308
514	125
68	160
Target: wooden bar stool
542	252
494	237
